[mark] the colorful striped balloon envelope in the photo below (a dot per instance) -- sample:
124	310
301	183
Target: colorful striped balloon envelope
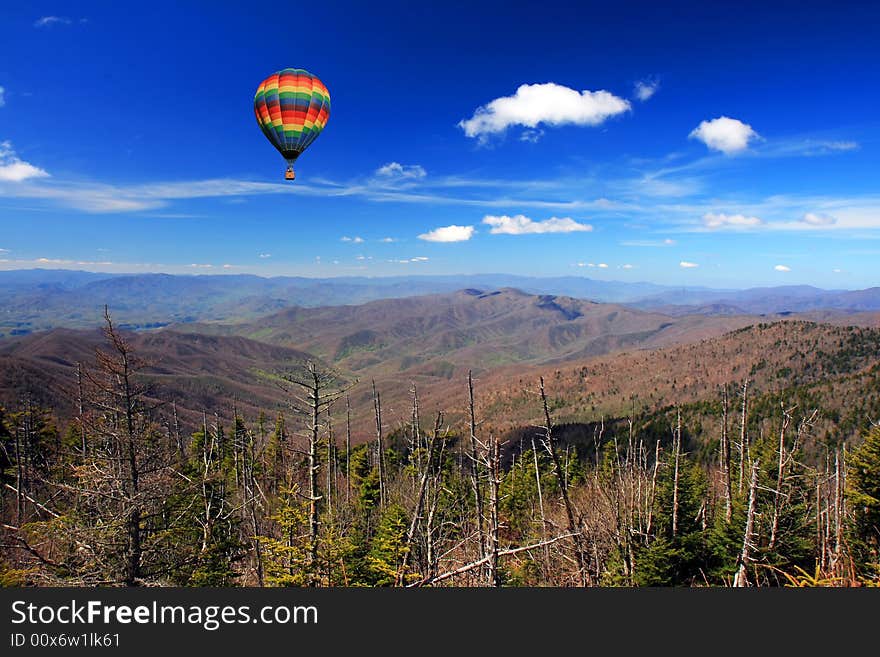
292	107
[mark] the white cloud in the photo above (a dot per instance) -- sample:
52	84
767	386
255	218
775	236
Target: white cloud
549	104
531	136
13	169
522	225
684	264
2	96
818	219
649	243
627	266
451	233
387	240
602	265
419	259
725	134
265	255
782	268
400	171
721	220
841	145
644	89
49	21
201	266
354	240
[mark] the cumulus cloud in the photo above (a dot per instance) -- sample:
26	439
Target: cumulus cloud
684	264
522	225
725	134
721	220
818	219
548	104
451	233
644	89
602	265
782	268
49	21
399	171
13	169
353	240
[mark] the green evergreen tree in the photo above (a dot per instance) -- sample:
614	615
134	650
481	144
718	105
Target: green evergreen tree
864	498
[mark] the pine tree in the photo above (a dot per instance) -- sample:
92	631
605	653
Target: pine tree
864	499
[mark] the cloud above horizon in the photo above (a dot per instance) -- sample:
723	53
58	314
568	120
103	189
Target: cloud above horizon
684	264
782	268
451	233
724	134
547	104
522	225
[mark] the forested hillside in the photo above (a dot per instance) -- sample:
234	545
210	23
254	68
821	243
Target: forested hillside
755	465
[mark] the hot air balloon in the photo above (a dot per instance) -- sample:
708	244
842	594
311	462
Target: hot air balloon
292	107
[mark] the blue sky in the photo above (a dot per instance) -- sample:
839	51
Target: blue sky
730	145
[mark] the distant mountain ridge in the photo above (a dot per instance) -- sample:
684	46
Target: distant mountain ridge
34	300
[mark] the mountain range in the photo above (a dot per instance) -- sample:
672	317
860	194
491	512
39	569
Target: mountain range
34	300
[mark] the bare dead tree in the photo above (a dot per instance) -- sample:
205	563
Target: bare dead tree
318	390
743	447
418	511
727	491
380	448
742	579
573	528
493	462
676	450
475	468
347	449
781	457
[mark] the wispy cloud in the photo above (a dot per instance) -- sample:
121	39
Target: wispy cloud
49	21
783	268
546	104
387	240
650	243
522	225
395	170
2	96
354	240
644	89
265	255
725	134
721	220
451	233
818	219
684	264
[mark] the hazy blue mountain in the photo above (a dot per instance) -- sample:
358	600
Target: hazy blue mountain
38	299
